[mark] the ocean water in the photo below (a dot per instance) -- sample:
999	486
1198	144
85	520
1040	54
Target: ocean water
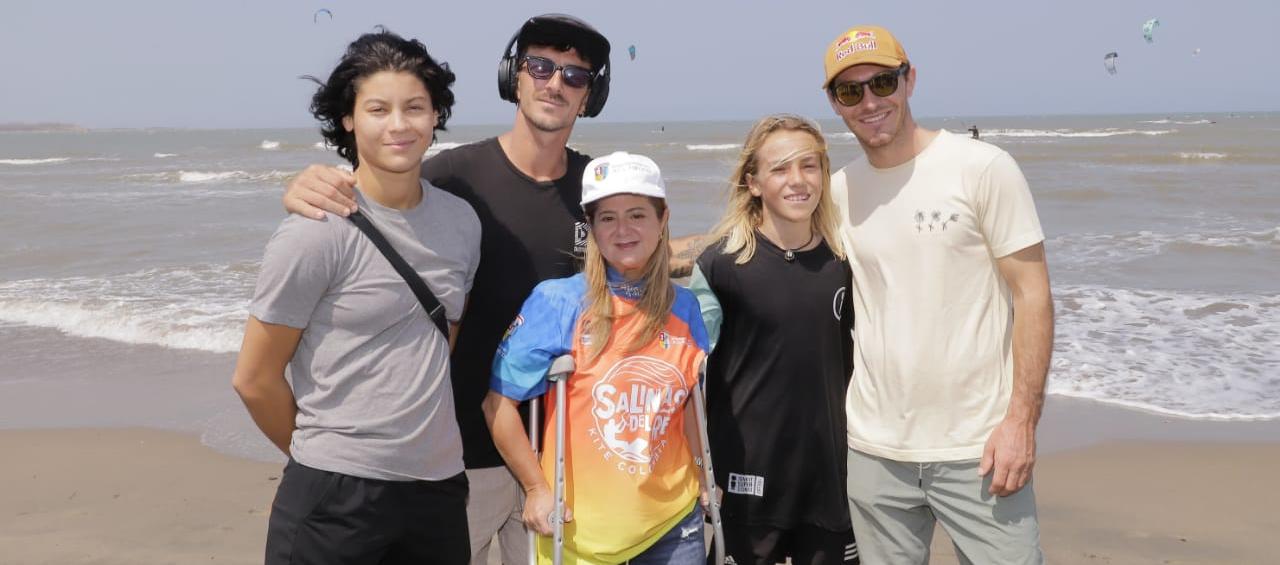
1163	242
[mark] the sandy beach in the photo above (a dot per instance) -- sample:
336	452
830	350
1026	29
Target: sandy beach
1135	495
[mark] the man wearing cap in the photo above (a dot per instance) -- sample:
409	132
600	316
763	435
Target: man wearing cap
955	323
525	186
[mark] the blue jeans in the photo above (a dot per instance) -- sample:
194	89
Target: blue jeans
683	544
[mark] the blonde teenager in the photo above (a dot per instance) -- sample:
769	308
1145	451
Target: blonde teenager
773	287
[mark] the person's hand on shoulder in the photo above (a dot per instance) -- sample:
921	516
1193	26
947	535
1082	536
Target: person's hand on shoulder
319	189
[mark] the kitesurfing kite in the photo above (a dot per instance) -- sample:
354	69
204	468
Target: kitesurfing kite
632	51
1109	61
1149	29
1196	53
315	18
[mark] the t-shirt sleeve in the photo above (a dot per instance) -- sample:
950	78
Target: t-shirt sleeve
847	322
542	331
474	234
298	266
1007	211
712	315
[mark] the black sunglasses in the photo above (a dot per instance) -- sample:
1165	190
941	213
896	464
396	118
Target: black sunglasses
543	68
882	84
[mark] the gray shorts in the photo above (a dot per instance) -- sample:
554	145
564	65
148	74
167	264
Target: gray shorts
894	506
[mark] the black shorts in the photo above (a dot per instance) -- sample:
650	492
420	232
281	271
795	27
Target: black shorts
804	544
320	517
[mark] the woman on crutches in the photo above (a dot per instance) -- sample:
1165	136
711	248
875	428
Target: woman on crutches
632	484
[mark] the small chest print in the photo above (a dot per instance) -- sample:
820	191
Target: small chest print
934	220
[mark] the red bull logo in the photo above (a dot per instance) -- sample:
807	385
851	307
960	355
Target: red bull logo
855	42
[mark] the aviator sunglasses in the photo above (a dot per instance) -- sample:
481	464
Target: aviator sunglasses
883	84
543	68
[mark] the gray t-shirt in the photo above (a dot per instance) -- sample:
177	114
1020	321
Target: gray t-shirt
371	372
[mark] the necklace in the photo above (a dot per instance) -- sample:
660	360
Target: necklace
789	254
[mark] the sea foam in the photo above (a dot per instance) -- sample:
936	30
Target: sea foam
713	147
1187	354
1066	133
21	162
201	307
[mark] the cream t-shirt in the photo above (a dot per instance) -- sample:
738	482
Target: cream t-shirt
933	363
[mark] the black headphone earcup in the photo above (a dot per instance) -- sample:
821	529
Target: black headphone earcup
506	79
599	94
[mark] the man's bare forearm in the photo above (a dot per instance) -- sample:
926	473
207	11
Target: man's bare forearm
1032	349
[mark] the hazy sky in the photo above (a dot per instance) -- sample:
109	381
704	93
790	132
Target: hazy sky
234	64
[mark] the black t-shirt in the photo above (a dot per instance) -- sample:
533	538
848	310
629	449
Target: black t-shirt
776	384
530	231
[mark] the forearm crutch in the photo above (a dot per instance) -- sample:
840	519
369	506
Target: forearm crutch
709	474
559	373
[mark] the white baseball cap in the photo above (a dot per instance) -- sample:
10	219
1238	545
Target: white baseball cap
622	173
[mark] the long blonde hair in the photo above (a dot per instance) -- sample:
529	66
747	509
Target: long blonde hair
745	212
655	301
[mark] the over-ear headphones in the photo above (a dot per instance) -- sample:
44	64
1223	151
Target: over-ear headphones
584	36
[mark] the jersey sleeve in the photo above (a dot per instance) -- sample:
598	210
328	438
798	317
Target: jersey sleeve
298	266
1007	211
712	315
542	331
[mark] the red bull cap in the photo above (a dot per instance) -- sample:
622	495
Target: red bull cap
863	44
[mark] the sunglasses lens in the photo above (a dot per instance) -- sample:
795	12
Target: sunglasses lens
576	77
848	93
884	84
540	68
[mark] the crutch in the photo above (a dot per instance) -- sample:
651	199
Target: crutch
713	506
559	373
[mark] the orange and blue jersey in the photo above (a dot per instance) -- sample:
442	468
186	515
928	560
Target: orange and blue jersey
629	473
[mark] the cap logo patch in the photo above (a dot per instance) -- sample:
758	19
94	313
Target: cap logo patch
602	170
856	42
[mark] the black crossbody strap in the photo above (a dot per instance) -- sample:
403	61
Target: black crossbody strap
430	304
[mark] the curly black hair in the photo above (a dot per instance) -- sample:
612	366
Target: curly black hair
370	54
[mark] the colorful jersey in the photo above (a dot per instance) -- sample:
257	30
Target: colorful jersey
629	474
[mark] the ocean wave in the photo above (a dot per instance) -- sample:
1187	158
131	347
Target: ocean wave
21	162
1187	123
442	146
1066	133
164	155
202	307
1089	250
713	147
220	176
1175	159
1186	354
1079	194
269	145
